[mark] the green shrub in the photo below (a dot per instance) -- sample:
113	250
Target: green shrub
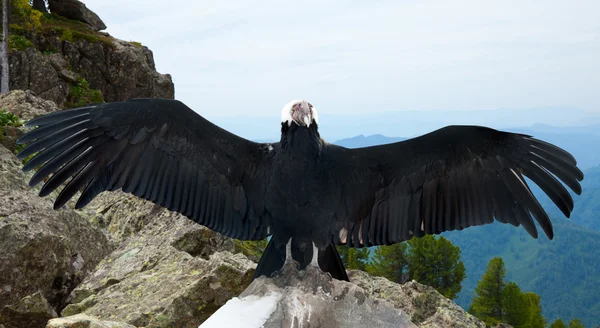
81	95
19	42
9	119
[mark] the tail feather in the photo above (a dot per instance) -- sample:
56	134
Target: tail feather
330	261
273	259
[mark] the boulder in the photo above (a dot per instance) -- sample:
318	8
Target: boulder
425	306
166	272
41	249
26	104
31	311
84	321
76	10
308	298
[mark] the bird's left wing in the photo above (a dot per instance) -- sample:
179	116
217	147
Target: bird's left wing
449	179
159	150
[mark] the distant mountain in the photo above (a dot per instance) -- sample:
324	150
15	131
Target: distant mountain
362	141
564	271
585	129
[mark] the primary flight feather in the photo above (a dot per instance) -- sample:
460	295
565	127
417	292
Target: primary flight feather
307	194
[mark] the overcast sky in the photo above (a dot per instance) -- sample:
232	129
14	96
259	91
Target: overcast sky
346	57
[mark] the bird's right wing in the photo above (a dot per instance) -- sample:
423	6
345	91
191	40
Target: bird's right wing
159	150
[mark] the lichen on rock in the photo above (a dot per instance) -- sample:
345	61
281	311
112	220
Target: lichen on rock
41	249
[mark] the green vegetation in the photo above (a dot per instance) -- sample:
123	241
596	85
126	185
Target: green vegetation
135	43
71	30
487	301
9	119
558	324
26	22
81	95
497	300
563	271
390	262
24	16
19	42
252	249
354	258
430	260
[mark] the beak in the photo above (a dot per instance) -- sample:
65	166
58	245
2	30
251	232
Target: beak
307	120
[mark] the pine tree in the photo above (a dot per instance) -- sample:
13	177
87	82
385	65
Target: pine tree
435	261
536	319
487	301
354	258
558	324
575	323
390	262
516	310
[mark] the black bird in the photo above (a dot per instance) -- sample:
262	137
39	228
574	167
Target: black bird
302	191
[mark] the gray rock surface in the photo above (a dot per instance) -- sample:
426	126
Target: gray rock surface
26	104
41	249
166	272
119	69
77	10
31	311
425	306
309	298
85	321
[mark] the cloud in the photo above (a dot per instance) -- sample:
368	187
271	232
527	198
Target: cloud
243	58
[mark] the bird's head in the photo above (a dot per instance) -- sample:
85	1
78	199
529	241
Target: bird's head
300	112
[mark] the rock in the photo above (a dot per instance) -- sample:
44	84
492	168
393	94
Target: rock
167	271
76	10
31	311
425	306
41	249
26	104
85	321
119	69
31	70
308	298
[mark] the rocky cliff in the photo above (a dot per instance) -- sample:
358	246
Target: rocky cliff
61	60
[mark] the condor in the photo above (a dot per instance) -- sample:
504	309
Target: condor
305	193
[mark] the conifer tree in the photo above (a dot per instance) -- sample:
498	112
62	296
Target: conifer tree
430	260
487	301
354	258
575	323
435	261
536	319
558	324
515	308
390	262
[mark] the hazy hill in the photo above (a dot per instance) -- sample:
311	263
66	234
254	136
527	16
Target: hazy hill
564	271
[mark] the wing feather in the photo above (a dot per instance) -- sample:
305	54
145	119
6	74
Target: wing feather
450	179
156	149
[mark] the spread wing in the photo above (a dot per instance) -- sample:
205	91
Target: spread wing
159	150
450	179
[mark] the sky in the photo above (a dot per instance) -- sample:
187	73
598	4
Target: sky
234	61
